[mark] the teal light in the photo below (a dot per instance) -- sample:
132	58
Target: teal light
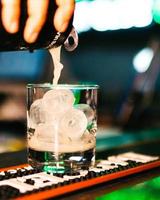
83	0
156	11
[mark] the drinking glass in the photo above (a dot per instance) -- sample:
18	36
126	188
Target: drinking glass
61	126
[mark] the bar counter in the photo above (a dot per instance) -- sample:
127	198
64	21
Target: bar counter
119	186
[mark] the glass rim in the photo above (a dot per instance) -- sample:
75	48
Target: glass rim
64	86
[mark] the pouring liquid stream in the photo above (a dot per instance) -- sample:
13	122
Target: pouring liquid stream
58	66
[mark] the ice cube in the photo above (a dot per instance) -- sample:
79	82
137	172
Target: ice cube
36	114
58	101
73	124
51	118
88	140
87	137
48	133
88	111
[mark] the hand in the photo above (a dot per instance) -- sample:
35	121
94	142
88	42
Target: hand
37	12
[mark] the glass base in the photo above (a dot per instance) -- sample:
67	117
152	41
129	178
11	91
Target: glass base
63	163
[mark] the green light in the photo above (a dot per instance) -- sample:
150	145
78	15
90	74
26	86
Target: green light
77	95
54	169
155	183
143	191
156	11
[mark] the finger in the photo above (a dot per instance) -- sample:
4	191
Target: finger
37	13
10	15
63	14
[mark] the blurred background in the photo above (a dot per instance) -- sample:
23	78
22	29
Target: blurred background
119	49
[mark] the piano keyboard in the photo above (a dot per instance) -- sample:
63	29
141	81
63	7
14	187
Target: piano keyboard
25	182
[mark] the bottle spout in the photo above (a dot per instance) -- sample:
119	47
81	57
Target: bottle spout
71	42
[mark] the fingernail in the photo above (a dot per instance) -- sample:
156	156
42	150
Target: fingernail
32	37
13	27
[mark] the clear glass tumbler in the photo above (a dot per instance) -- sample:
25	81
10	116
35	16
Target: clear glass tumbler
61	126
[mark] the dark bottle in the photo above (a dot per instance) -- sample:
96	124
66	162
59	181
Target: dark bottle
48	37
